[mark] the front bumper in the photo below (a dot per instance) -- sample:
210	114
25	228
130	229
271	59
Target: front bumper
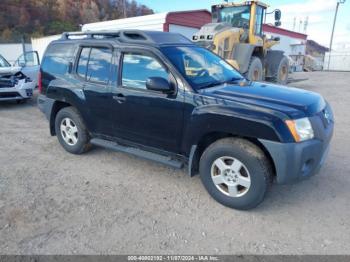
22	90
297	161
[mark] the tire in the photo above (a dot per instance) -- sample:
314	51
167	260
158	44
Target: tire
282	72
254	167
71	131
255	70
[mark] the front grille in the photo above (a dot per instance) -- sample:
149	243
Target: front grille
7	82
8	94
326	116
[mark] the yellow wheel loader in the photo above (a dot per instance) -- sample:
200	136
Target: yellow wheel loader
236	35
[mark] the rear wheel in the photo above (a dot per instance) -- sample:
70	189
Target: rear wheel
255	69
236	173
71	131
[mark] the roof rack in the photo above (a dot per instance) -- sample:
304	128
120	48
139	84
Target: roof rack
121	35
131	36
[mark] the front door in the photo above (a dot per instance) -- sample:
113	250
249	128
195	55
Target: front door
142	116
29	62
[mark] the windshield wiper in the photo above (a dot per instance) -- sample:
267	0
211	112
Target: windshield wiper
235	80
212	84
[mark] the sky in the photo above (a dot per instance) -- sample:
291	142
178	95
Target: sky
320	14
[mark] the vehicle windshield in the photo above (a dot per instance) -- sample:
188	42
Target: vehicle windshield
3	62
237	16
200	67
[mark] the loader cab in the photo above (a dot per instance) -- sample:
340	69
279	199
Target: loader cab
248	16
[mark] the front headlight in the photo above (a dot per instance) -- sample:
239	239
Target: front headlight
300	129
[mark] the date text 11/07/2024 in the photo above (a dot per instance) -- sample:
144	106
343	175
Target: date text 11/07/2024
173	258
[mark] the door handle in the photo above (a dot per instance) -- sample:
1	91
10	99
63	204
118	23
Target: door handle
120	98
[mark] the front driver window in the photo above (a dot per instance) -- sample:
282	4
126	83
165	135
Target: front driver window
137	68
28	59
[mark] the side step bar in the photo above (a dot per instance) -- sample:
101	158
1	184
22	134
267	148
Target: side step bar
165	160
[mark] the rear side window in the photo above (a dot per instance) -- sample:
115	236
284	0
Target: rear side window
94	64
57	58
83	61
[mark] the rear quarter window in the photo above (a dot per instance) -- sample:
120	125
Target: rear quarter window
95	64
57	58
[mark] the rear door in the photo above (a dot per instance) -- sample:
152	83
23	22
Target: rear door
94	69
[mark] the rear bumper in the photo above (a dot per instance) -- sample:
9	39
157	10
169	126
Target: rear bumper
45	105
298	161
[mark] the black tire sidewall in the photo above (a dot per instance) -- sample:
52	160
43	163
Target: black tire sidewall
284	61
258	178
83	139
255	63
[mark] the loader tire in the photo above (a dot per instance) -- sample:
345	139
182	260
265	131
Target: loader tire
255	70
282	72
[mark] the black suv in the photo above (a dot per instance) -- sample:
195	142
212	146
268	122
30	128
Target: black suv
159	96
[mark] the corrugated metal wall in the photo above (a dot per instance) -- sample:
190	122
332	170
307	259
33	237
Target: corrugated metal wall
148	22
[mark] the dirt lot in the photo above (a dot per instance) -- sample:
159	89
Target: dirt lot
104	202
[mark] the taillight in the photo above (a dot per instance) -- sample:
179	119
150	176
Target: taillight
40	85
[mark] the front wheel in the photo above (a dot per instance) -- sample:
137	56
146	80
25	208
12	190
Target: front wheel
282	72
255	70
236	173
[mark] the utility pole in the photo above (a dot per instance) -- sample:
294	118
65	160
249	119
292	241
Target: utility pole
306	23
334	22
294	22
124	8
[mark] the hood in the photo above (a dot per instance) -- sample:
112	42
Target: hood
294	102
9	70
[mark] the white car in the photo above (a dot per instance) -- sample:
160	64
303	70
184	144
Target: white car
18	82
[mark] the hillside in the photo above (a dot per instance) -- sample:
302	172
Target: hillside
47	17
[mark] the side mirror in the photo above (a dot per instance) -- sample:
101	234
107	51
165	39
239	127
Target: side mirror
159	84
278	15
276	39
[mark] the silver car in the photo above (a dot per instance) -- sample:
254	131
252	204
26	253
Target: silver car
17	82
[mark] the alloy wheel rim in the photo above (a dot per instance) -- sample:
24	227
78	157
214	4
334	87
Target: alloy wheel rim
69	131
230	176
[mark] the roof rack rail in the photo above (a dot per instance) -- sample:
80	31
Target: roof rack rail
121	35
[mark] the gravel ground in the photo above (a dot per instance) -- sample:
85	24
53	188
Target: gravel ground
103	202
